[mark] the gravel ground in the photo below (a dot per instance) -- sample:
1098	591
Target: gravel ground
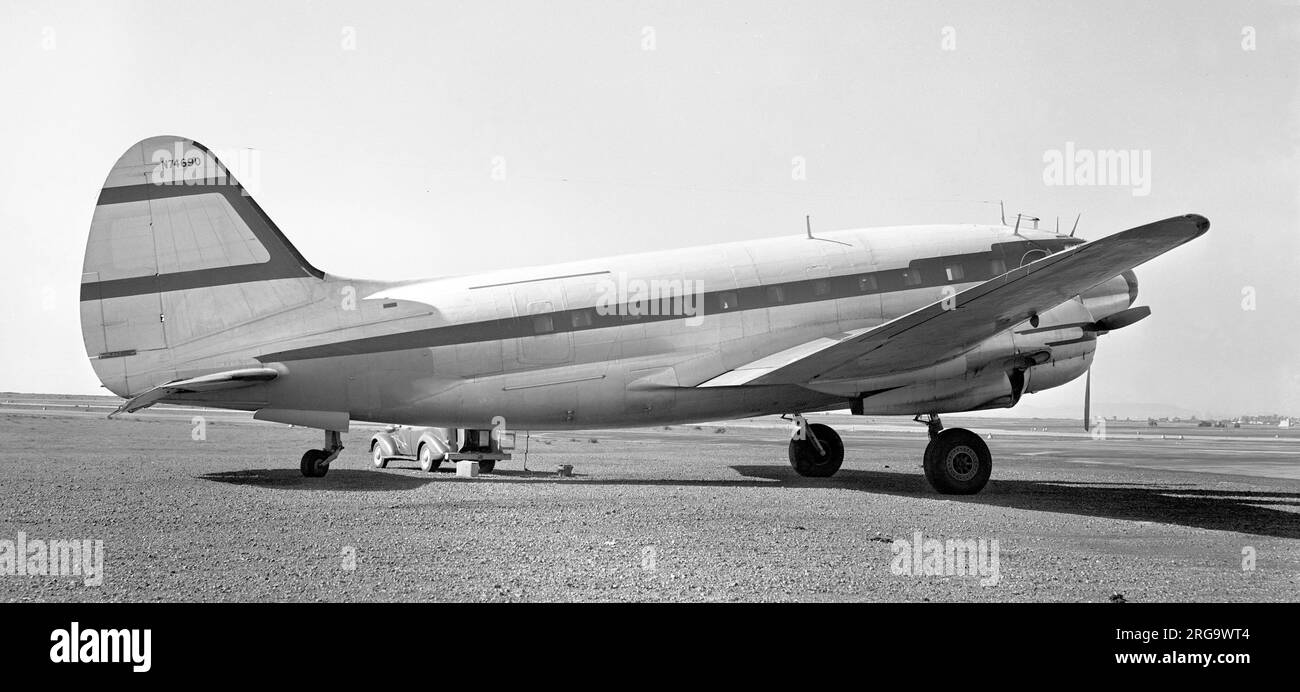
691	513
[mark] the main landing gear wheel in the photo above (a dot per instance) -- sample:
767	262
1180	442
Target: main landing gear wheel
820	454
313	465
428	463
377	456
957	462
487	465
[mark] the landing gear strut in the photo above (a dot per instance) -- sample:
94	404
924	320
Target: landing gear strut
957	462
932	423
816	450
316	462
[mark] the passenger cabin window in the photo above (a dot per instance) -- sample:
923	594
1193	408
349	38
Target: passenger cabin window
728	301
954	272
821	287
543	324
912	277
581	318
997	266
775	295
867	282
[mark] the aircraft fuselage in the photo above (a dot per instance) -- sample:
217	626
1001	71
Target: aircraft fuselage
586	344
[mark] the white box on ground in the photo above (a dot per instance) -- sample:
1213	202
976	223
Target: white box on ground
467	469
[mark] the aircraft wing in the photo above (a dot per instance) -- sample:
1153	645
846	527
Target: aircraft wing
949	327
230	379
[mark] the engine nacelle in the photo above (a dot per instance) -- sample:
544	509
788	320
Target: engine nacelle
998	371
985	389
1111	296
1057	371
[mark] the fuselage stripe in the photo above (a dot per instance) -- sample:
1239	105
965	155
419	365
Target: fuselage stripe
919	274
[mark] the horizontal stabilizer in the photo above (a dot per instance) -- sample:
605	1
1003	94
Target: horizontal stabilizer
230	379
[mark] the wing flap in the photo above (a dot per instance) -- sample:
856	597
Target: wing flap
749	372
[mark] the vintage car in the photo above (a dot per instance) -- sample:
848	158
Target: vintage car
432	446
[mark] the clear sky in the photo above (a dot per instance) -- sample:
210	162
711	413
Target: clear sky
629	126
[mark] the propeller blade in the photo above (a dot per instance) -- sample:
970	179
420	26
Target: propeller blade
1122	319
1087	401
1110	323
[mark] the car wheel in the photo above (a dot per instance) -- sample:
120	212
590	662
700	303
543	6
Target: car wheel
428	462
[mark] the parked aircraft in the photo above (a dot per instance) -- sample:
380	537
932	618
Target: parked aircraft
191	293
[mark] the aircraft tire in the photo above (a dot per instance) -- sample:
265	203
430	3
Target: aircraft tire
487	465
957	462
808	462
311	465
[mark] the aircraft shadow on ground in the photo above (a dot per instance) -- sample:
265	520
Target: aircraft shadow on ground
1161	503
336	479
1173	503
395	477
1181	504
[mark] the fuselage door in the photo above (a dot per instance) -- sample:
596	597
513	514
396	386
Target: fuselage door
544	336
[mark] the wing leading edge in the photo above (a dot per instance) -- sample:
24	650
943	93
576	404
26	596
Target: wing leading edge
949	327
